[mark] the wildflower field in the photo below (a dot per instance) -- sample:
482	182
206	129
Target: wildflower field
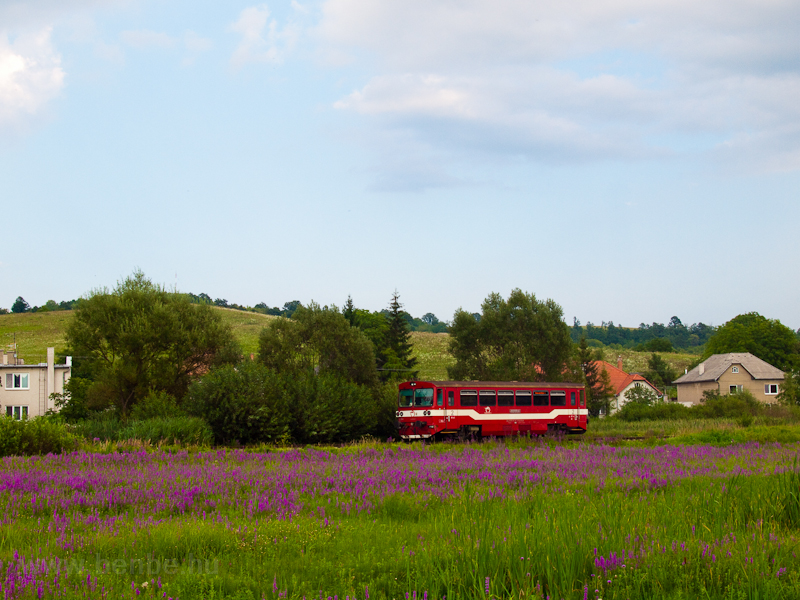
492	521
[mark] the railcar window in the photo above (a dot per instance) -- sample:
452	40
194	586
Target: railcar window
488	397
541	398
583	401
423	398
505	398
406	397
572	398
523	397
558	398
450	398
469	398
439	400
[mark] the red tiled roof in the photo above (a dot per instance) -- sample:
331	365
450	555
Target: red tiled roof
619	378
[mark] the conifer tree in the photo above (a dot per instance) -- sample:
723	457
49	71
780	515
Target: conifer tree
398	337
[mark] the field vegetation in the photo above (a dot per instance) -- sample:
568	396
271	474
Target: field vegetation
541	519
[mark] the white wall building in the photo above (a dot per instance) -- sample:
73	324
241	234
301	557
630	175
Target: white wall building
25	389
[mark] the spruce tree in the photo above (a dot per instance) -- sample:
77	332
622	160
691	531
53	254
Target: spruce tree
398	336
350	311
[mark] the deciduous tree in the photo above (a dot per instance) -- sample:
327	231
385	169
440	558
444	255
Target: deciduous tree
318	339
20	306
141	338
520	339
768	339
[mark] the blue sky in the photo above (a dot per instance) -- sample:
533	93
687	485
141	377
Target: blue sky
630	160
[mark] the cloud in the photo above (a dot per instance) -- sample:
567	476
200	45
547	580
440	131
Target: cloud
144	38
262	41
585	80
30	77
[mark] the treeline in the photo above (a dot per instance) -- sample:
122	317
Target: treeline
21	306
429	322
655	337
161	363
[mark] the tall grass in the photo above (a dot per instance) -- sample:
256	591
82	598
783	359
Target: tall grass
468	522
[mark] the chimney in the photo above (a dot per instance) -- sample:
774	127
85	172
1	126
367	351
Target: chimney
68	361
702	367
619	363
51	373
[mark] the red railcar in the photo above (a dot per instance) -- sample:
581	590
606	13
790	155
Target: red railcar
484	408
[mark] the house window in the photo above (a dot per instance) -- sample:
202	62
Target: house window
770	389
17	412
735	388
17	381
637	384
734	369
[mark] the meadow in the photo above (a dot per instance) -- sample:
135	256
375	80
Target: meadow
518	519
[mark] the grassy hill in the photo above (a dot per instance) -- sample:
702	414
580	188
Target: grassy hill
36	331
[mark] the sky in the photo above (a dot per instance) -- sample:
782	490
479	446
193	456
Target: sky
632	160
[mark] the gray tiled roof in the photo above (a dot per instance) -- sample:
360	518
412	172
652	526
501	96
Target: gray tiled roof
717	364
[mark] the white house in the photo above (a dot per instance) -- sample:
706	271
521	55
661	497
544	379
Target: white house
25	389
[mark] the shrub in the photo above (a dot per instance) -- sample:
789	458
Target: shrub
182	430
327	408
40	435
103	425
634	411
157	404
245	404
731	406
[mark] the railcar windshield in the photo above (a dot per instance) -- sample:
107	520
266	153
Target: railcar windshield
406	398
423	398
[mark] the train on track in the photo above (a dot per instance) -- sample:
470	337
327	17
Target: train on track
474	409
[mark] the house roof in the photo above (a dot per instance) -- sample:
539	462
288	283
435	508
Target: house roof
620	379
714	366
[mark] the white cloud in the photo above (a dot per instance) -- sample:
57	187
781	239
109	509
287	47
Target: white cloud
30	77
145	38
262	41
579	80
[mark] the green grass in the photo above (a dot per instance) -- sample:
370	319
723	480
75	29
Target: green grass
725	536
636	362
246	327
35	332
430	350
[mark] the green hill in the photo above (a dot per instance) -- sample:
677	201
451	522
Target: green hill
36	331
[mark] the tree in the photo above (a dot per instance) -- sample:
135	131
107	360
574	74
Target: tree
790	389
398	337
767	339
659	373
519	339
350	311
139	338
641	394
319	340
430	319
20	306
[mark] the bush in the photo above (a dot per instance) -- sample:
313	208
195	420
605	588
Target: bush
732	406
245	404
103	425
182	430
157	404
327	408
253	404
634	411
40	435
